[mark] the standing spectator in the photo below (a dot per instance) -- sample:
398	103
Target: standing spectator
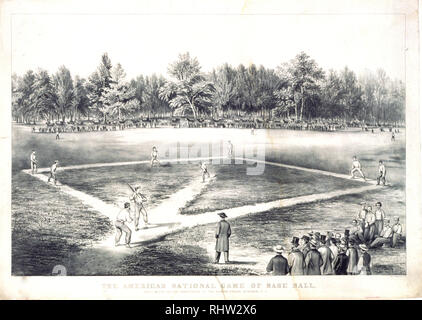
379	218
278	264
327	257
364	263
361	216
296	260
334	248
385	236
352	253
397	231
230	150
382	171
313	260
342	261
370	225
305	247
222	234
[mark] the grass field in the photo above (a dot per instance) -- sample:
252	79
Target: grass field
50	228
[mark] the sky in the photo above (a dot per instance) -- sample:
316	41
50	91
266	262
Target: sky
146	44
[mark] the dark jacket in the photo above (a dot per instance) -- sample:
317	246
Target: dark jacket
222	234
278	266
341	263
313	261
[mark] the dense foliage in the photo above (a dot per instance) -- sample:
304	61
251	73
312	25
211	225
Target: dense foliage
298	90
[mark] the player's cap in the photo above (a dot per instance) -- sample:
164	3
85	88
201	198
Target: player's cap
379	203
222	215
396	218
363	202
56	161
363	247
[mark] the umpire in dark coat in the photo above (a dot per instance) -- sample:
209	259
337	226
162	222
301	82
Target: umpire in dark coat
222	234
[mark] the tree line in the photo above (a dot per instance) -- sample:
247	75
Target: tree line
298	90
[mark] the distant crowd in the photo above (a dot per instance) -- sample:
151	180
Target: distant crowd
184	122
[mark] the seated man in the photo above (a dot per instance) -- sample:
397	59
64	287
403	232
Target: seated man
357	232
397	230
384	237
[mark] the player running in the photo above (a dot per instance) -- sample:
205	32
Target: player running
154	157
138	198
356	166
53	171
204	171
34	162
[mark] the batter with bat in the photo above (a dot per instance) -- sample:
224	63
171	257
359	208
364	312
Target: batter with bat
138	198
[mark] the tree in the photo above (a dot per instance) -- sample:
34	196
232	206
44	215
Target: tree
303	75
98	82
120	96
223	79
64	90
43	98
81	101
350	94
151	100
188	90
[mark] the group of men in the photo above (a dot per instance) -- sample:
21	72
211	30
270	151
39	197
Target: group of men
338	254
357	167
373	227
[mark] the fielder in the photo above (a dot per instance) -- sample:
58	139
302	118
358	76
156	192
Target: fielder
138	198
356	166
382	171
53	171
34	162
204	171
154	157
230	150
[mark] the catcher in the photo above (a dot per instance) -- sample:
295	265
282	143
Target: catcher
138	198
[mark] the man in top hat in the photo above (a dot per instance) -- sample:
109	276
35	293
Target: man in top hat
364	264
346	237
305	247
121	224
327	257
53	171
34	162
296	260
397	231
352	253
313	260
222	234
381	173
342	261
385	236
356	167
138	198
278	264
